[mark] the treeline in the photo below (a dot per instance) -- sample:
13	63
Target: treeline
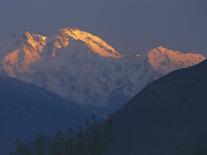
93	139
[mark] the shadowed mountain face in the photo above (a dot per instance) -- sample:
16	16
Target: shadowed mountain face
167	117
82	67
26	111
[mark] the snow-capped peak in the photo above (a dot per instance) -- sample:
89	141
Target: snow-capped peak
26	53
164	60
33	39
31	47
96	44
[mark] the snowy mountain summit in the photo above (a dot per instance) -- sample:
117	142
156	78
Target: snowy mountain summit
164	60
80	66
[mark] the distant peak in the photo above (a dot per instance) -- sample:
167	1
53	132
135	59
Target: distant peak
33	39
162	48
96	44
29	51
163	59
34	36
28	34
172	53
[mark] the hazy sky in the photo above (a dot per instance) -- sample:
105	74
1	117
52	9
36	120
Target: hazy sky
128	25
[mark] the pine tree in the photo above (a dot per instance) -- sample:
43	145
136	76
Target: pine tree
58	147
107	128
39	145
100	136
21	149
95	141
80	142
70	144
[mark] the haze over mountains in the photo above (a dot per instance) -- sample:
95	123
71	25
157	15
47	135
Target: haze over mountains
82	67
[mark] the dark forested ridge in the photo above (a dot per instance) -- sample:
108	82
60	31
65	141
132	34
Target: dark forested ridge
168	117
26	110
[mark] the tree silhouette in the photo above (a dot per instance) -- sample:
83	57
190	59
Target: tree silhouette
21	149
39	145
70	142
91	140
58	147
80	142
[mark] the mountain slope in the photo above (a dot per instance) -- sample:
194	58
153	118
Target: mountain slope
96	44
26	111
164	60
167	117
84	68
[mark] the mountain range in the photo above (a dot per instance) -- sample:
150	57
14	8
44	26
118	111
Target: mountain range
84	68
167	117
47	83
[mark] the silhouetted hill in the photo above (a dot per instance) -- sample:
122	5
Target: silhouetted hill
169	117
27	110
